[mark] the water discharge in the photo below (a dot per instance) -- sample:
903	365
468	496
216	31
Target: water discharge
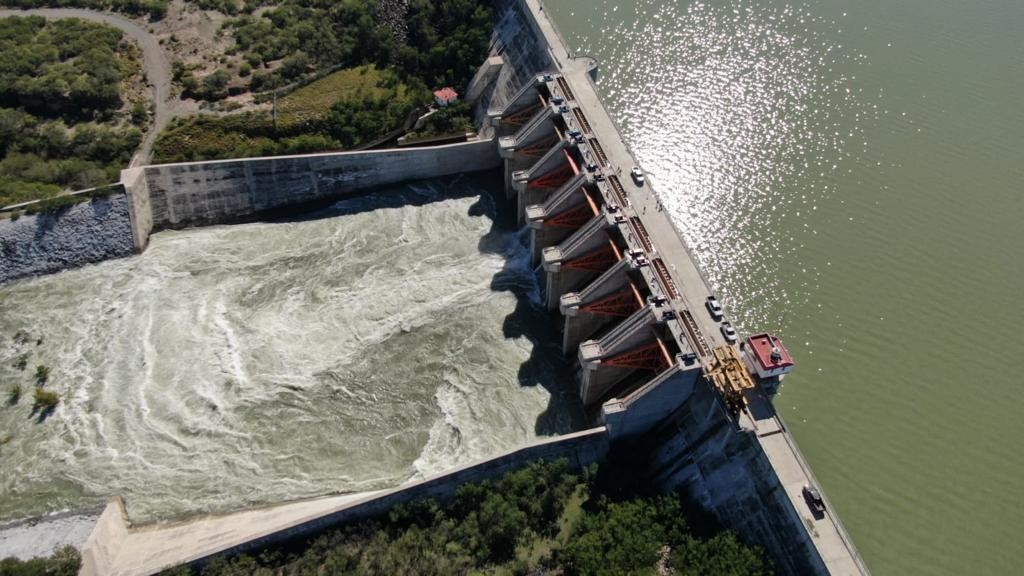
388	337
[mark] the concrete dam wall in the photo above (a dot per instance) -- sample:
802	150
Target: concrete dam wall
653	364
153	198
221	192
83	233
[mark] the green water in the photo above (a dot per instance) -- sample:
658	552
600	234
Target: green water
851	174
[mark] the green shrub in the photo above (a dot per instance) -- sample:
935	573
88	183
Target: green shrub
45	399
42	374
140	112
63	562
721	554
14	395
59	96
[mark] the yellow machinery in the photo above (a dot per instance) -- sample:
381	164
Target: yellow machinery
728	373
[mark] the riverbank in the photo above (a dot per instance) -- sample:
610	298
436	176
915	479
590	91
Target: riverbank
44	535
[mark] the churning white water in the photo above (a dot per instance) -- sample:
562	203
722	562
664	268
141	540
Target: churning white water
390	336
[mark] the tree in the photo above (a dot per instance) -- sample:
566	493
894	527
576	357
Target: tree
624	537
723	554
215	85
63	562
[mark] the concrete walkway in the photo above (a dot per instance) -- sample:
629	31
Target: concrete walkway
115	549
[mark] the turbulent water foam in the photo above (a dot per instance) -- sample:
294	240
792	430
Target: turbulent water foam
245	364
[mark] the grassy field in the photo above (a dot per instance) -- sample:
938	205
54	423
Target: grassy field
339	111
313	101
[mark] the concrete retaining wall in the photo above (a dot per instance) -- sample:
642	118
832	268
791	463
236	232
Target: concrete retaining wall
219	192
581	449
115	549
91	231
134	181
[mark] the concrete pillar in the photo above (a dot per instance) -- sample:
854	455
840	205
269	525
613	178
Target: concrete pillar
526	95
483	78
596	378
509	119
566	198
652	403
527	193
581	323
561	262
536	129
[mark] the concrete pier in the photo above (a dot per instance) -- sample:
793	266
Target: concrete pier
610	297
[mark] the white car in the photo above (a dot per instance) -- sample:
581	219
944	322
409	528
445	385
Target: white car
714	308
638	175
729	333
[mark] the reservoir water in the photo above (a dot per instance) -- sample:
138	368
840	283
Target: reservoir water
387	337
850	174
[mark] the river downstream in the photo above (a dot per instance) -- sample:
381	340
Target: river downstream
389	337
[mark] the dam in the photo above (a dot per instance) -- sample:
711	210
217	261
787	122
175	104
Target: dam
655	370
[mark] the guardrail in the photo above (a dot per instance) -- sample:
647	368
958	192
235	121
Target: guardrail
54	202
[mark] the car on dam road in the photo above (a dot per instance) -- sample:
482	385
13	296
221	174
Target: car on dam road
814	499
638	175
729	333
714	308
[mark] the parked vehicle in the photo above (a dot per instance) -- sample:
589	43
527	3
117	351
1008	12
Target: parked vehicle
813	498
729	333
714	308
638	175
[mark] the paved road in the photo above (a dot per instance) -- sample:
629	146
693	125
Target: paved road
155	63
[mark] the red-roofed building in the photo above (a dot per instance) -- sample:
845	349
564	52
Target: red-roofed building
766	356
445	96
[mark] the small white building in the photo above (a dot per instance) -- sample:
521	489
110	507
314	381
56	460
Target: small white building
767	357
445	96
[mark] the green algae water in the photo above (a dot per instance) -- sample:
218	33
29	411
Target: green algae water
389	337
851	174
